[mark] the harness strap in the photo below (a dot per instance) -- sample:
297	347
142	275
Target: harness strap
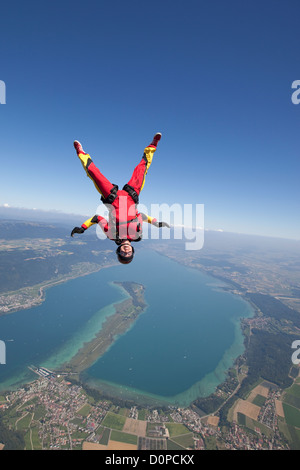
138	225
132	192
112	196
127	221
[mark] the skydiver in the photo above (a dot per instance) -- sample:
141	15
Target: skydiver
125	222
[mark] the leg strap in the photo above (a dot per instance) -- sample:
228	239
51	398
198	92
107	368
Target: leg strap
112	196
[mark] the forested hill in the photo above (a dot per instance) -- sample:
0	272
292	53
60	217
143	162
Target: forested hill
272	307
15	230
31	253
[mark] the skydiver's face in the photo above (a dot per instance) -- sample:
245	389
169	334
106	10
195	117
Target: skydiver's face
126	248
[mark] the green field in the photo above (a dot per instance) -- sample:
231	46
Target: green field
84	410
171	445
241	419
292	400
176	429
259	400
252	425
291	407
114	421
124	412
294	390
105	433
291	433
123	437
187	440
24	423
142	414
35	439
292	415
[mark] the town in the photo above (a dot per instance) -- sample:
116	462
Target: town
55	413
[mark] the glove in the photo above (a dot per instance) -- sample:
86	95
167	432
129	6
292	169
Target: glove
77	230
161	224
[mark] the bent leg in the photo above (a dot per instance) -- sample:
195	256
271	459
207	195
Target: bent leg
137	179
102	184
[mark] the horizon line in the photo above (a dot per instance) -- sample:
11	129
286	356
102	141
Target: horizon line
70	214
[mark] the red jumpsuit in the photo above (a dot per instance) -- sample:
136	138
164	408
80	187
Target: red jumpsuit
125	222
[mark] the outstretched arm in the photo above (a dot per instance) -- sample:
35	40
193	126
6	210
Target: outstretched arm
153	221
97	219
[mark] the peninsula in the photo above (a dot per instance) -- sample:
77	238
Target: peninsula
126	312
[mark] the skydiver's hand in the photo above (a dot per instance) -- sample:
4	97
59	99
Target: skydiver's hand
164	224
161	224
77	230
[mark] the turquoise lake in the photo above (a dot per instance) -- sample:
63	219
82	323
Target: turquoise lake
177	350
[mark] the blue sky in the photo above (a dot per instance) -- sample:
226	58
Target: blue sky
214	77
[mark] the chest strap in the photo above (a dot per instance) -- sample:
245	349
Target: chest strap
127	221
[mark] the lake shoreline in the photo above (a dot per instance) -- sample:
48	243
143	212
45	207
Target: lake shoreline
126	313
33	296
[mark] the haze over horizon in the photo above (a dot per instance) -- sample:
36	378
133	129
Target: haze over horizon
59	217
